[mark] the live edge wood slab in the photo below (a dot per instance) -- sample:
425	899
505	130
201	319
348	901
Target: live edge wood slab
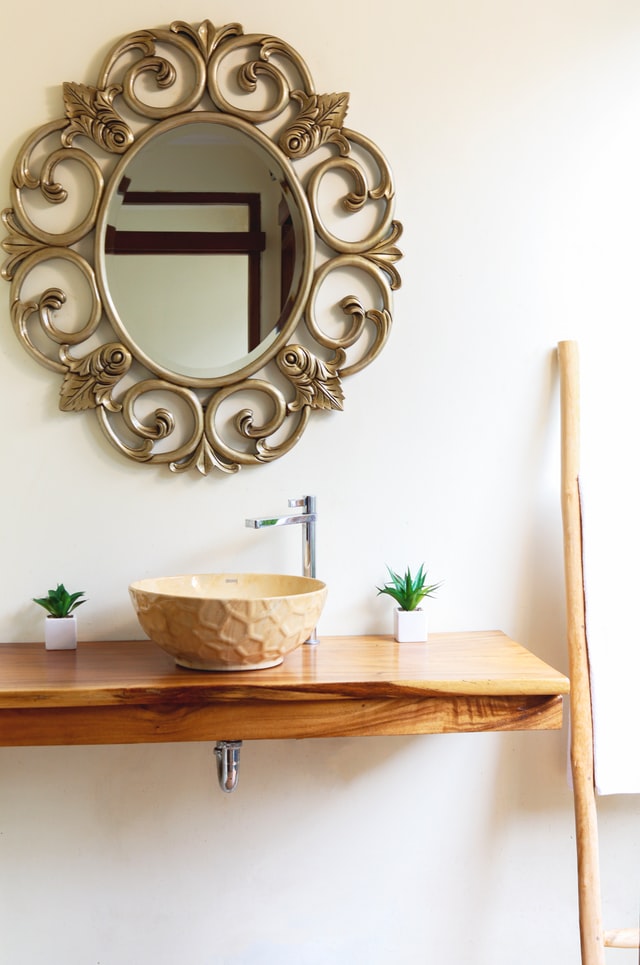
122	692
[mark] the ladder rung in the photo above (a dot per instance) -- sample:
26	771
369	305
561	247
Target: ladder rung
622	938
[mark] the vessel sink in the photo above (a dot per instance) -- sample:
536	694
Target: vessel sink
228	621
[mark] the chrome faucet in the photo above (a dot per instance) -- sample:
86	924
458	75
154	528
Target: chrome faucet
307	518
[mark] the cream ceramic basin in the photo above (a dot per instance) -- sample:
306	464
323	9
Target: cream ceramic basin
228	621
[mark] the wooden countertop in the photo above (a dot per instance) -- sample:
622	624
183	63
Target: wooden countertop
131	692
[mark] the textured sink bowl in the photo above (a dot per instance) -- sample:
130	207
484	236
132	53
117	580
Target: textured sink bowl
228	621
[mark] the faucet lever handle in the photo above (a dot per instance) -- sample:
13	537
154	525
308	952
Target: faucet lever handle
304	502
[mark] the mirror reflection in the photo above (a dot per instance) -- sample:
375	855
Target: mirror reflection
199	248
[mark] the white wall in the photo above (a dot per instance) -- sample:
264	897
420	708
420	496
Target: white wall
514	133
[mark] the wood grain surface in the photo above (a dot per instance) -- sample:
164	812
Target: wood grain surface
131	691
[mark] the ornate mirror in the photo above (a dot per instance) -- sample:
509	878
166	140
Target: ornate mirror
200	248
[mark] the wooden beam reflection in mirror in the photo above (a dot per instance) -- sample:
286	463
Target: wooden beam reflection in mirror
250	243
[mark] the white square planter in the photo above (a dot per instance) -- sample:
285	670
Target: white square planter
410	626
61	633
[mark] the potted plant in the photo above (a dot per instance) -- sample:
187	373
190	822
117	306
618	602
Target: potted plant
409	619
60	628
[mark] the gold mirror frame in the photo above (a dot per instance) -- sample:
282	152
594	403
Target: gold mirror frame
214	418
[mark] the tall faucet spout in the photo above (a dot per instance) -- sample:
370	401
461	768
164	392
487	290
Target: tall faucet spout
260	522
307	518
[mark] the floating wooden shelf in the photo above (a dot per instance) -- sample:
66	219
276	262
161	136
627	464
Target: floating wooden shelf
122	692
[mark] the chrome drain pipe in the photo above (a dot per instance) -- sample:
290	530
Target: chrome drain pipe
228	764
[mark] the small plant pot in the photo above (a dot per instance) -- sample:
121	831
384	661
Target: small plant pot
61	633
410	626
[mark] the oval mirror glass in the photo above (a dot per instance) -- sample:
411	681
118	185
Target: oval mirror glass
200	248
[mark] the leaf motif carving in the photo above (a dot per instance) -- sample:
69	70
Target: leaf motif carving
90	112
205	459
317	383
331	110
89	380
320	120
207	38
387	253
18	245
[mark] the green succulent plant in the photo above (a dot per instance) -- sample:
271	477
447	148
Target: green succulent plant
408	591
59	603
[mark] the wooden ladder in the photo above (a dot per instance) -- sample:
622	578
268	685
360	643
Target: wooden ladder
593	937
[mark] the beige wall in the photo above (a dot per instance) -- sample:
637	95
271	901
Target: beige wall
513	130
